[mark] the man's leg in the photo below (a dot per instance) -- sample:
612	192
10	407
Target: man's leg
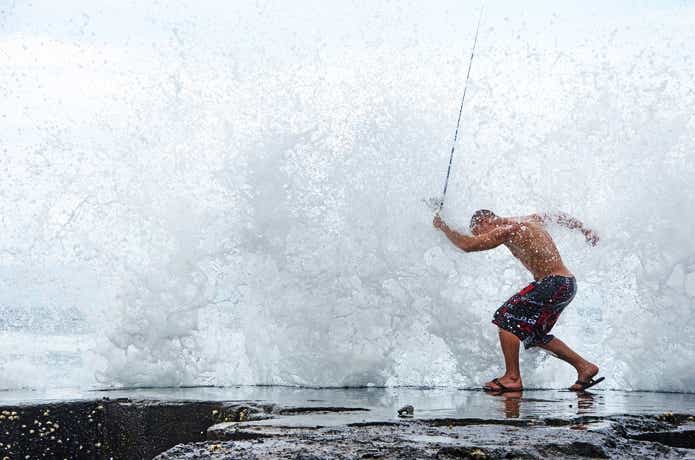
585	369
510	349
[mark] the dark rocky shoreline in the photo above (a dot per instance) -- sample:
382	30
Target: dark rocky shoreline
625	436
125	428
104	428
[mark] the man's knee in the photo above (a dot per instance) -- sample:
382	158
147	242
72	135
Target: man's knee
506	335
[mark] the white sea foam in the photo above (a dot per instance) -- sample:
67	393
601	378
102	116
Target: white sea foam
241	205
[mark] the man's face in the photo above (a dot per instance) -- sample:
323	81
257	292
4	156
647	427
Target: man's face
482	226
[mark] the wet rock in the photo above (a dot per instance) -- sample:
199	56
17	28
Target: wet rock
119	428
317	409
123	428
467	453
680	438
574	449
406	411
599	437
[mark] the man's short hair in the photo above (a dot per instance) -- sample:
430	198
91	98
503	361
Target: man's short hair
480	215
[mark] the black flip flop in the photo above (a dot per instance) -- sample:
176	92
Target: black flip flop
588	383
501	389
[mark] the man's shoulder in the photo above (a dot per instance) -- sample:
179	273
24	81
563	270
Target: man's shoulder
537	218
512	229
528	232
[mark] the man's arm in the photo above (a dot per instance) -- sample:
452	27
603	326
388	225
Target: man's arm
482	242
572	223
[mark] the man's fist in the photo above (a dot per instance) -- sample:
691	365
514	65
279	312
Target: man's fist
437	222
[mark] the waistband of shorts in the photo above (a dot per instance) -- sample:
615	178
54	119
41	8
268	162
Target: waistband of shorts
561	277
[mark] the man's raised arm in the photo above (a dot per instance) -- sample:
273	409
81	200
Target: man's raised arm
483	242
570	222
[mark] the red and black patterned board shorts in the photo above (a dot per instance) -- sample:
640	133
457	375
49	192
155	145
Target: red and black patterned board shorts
531	313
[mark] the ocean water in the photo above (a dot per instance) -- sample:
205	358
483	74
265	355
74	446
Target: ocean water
212	194
384	403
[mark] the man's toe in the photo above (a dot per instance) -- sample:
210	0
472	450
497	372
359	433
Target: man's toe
492	386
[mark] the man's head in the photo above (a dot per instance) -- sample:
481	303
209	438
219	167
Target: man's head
482	221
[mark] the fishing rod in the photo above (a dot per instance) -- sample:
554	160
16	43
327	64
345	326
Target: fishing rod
463	99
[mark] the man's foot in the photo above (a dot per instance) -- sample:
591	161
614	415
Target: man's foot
585	375
504	383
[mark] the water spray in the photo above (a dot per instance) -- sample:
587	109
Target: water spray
437	206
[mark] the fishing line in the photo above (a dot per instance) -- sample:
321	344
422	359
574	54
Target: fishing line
463	99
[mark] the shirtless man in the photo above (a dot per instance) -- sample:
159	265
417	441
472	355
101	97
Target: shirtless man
529	315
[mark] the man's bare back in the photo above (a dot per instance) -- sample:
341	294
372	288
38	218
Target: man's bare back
536	250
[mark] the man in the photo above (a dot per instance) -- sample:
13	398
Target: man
529	315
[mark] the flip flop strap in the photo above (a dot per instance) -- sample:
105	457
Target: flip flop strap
497	382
